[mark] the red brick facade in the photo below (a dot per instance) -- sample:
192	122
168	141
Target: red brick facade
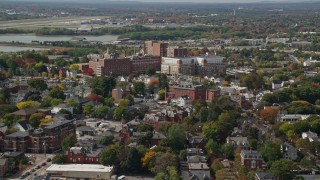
177	52
79	156
125	66
195	93
48	139
156	48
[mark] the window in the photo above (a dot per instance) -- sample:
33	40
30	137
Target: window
253	164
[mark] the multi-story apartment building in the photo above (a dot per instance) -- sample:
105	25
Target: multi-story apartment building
203	66
17	142
177	52
194	92
156	48
125	66
48	139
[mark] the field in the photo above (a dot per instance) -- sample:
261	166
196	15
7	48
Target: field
65	22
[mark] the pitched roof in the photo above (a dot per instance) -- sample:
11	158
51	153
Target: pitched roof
25	125
3	162
264	176
158	135
24	112
19	134
85	128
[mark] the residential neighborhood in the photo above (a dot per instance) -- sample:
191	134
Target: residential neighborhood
225	92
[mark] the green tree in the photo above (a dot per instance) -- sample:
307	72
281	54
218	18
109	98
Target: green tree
38	84
109	102
129	159
124	102
73	103
228	150
10	119
35	119
4	95
203	114
282	169
58	159
69	141
212	147
57	93
131	99
161	94
101	111
102	85
162	161
177	137
106	140
7	108
163	81
139	88
216	165
151	71
121	112
271	151
217	131
160	176
109	156
173	173
88	109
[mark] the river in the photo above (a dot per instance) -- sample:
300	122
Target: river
18	48
28	38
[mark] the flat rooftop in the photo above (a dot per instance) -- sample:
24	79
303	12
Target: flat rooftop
80	168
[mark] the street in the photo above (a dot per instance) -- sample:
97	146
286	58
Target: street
40	159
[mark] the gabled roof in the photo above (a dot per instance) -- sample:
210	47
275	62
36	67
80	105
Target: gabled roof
19	134
276	81
196	139
264	176
25	112
158	135
25	125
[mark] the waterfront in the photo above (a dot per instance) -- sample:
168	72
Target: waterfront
28	38
18	48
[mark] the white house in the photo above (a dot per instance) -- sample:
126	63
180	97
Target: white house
310	135
183	101
59	107
277	84
293	117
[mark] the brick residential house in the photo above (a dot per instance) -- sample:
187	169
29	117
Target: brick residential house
252	159
80	155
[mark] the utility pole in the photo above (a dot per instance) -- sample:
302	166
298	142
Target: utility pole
45	147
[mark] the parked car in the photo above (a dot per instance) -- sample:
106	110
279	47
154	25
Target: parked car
43	164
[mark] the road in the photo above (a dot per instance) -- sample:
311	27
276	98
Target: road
295	59
40	158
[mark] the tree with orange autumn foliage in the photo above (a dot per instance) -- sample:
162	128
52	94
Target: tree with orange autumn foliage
269	114
147	158
95	97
